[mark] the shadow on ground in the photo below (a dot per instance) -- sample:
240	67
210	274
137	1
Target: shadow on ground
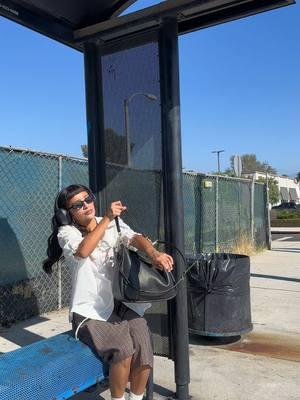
19	335
213	340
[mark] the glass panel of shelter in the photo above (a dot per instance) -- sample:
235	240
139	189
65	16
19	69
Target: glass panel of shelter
133	150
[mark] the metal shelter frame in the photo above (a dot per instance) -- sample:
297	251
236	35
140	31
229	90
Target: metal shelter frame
91	26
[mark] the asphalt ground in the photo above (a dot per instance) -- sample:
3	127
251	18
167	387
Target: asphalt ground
287	237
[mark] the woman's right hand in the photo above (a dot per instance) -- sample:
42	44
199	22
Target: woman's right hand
115	210
89	243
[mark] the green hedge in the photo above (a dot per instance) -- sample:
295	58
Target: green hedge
288	214
289	223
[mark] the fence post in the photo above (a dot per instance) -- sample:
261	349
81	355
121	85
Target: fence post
59	263
268	222
201	233
217	215
239	208
252	209
197	196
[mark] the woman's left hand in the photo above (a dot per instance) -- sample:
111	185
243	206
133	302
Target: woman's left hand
162	261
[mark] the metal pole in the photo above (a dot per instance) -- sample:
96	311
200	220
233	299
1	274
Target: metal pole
218	157
268	227
198	218
217	215
59	263
95	124
252	209
127	131
239	208
202	222
173	199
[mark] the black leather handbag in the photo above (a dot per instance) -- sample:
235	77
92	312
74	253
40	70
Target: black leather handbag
137	280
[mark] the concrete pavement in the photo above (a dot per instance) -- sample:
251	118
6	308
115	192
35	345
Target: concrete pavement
263	365
292	230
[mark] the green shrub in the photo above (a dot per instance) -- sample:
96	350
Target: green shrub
288	223
286	214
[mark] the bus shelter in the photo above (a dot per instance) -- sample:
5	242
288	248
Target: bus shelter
133	117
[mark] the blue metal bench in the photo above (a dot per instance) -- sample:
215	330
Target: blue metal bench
51	369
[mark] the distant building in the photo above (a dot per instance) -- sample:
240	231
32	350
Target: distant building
289	190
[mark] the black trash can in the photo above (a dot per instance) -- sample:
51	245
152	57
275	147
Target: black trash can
218	289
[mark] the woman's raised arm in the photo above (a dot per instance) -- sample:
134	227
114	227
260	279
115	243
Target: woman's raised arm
89	243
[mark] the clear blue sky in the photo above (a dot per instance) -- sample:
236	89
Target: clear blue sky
240	91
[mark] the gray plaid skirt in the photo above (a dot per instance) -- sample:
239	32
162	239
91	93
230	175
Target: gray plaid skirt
124	334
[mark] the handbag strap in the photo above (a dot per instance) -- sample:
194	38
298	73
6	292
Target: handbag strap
187	268
118	225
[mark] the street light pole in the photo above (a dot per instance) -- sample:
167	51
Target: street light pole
218	155
126	114
148	96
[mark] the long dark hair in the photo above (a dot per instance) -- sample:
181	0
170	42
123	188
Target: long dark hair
54	251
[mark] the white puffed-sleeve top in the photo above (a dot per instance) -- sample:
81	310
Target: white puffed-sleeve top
92	277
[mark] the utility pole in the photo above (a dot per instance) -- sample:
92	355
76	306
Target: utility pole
218	155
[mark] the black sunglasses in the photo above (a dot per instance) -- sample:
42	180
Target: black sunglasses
79	204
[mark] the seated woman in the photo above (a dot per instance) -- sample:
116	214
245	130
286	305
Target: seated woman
116	331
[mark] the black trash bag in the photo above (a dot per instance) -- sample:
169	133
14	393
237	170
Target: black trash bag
218	292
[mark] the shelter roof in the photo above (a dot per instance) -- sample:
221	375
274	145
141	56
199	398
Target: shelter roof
73	22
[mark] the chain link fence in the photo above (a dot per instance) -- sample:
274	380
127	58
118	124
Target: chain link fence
29	184
221	211
218	210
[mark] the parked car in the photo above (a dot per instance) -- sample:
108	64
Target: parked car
287	205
